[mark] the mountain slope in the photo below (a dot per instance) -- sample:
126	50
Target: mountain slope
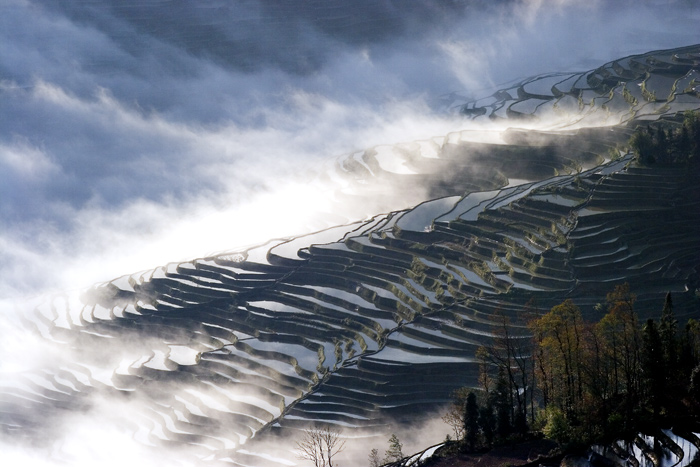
374	323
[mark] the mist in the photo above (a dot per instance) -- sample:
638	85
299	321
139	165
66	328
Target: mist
135	135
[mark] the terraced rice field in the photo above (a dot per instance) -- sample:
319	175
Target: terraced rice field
636	87
374	323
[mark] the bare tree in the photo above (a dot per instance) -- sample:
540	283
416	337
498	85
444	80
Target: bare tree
511	353
320	445
454	416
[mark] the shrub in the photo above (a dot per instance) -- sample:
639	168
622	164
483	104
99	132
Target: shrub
557	427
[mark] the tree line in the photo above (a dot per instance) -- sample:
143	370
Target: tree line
664	144
580	382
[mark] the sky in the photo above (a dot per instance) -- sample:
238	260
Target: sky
134	133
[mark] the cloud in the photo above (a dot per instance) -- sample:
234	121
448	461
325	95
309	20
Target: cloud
21	158
164	190
247	36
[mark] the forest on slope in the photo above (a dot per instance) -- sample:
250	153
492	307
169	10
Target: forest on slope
580	382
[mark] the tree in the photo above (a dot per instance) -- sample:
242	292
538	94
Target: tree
653	365
684	146
487	423
320	445
608	331
622	339
557	427
694	387
471	420
501	402
642	144
374	458
394	452
510	356
691	123
690	346
658	143
667	330
454	416
558	335
531	313
662	145
540	363
598	369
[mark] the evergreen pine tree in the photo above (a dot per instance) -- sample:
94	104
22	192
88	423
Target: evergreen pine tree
487	423
374	458
503	406
520	423
471	420
394	452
